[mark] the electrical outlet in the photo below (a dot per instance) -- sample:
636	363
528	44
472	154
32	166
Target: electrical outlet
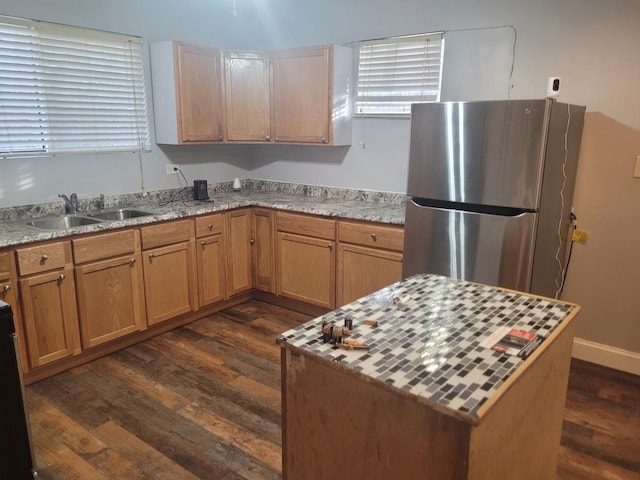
636	170
171	168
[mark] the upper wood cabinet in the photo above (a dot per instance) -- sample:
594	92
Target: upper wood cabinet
310	95
188	93
247	97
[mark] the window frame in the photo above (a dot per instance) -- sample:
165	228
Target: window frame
363	100
70	90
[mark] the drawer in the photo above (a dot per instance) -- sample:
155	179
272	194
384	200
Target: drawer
167	233
5	269
371	235
209	225
306	225
42	258
105	245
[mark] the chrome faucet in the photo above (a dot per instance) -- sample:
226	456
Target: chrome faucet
71	204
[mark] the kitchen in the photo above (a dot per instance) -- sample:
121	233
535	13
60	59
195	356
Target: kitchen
549	42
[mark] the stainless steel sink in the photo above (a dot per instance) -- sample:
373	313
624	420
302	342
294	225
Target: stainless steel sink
119	214
60	222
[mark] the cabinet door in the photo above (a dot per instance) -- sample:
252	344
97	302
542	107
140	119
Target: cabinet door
9	294
50	316
262	247
306	269
363	270
239	251
247	97
199	94
110	299
170	281
301	95
211	269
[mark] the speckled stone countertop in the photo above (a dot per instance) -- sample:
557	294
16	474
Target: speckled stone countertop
167	205
435	338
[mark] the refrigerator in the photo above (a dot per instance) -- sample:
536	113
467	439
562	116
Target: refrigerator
490	188
16	453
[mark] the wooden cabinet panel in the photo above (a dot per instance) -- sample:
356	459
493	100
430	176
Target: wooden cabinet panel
306	269
42	258
363	270
110	299
199	86
239	269
187	93
105	245
247	97
170	281
306	225
167	233
50	316
9	294
371	235
263	249
210	225
311	95
211	261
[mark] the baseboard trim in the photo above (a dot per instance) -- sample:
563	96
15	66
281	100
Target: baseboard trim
612	357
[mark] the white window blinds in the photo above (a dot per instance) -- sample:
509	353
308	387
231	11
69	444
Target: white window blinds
395	72
69	90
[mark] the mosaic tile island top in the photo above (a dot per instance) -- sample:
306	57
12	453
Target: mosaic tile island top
434	338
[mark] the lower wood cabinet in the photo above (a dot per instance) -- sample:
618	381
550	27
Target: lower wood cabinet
170	279
369	258
239	277
263	249
110	292
48	295
306	260
211	258
9	294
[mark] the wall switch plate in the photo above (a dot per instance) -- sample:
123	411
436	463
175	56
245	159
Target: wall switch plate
636	170
171	168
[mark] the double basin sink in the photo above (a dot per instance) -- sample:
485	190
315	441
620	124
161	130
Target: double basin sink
63	222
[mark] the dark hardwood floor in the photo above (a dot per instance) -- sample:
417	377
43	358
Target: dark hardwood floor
203	402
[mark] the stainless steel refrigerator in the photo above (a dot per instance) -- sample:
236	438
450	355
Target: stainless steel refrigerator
490	191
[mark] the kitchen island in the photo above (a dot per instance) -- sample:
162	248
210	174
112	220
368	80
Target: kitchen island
448	380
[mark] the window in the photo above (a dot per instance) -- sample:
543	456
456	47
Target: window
69	90
395	72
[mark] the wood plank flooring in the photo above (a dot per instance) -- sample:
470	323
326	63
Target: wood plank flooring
203	402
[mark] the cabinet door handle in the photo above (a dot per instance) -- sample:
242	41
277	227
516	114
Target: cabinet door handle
374	237
220	138
267	138
329	246
203	243
132	261
61	277
324	139
252	241
6	288
151	255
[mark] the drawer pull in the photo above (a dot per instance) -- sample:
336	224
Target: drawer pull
44	258
374	237
210	226
6	288
61	277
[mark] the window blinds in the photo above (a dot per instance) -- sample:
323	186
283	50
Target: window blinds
395	72
68	90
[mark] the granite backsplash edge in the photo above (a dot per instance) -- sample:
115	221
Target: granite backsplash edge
158	197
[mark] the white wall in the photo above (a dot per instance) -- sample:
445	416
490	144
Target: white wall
591	44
